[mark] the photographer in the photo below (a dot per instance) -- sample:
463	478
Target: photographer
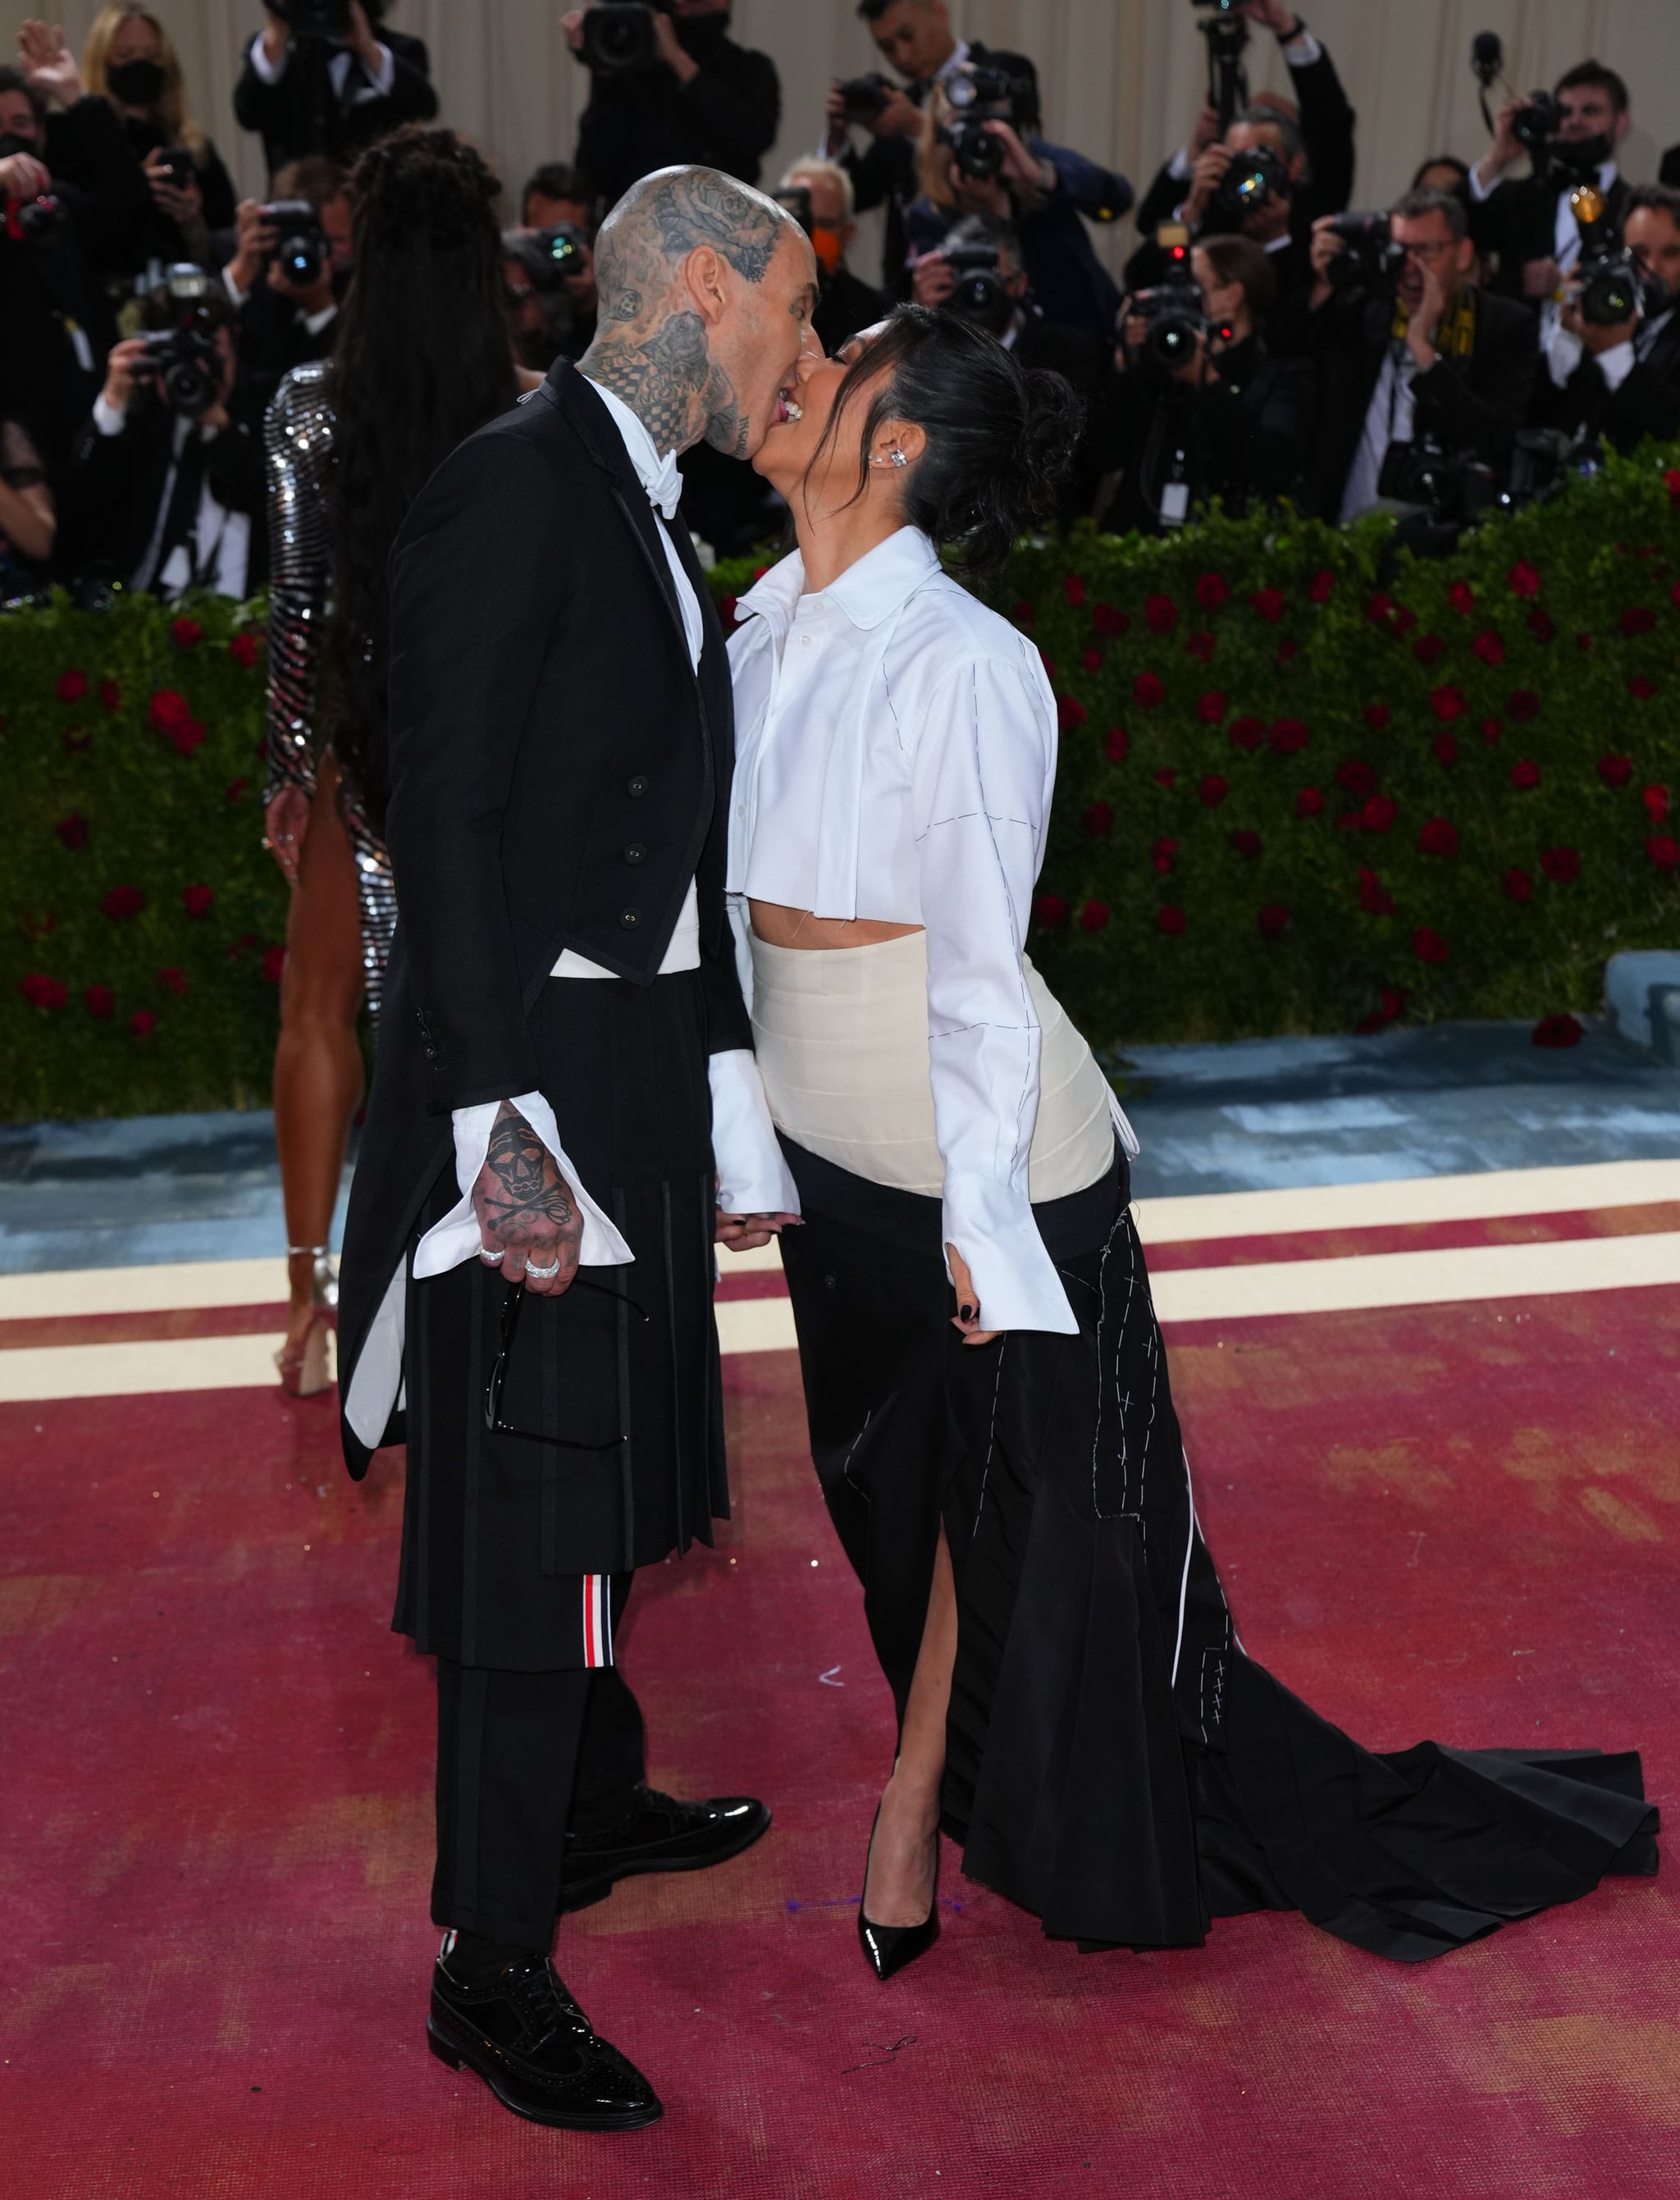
1611	374
1202	407
288	277
669	88
1322	114
1255	183
975	162
165	490
317	78
556	197
1528	221
549	287
820	192
915	39
1413	358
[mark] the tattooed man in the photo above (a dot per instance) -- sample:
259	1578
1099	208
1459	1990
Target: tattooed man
565	1111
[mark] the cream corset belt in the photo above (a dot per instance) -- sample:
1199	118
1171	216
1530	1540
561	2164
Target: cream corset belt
841	1035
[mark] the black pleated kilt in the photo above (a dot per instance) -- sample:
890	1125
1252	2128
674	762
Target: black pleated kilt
497	1530
1115	1764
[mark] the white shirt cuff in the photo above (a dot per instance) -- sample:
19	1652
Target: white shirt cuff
752	1178
1617	364
991	1227
232	289
107	418
1564	350
1181	167
1302	51
257	54
456	1238
1480	191
384	76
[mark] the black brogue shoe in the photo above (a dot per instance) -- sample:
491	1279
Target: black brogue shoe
659	1834
533	2046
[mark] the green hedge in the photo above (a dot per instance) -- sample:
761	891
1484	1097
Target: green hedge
1295	795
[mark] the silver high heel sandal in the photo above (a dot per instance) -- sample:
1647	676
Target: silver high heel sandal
305	1364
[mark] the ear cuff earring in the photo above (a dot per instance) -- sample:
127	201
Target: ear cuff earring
894	458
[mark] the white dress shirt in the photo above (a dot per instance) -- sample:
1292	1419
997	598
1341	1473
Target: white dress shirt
218	549
1565	351
374	83
895	759
1565	250
1389	417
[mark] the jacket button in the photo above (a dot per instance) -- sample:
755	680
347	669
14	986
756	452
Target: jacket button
629	918
634	852
637	785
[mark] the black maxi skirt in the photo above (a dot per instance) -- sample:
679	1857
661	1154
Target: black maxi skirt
1115	1764
501	1533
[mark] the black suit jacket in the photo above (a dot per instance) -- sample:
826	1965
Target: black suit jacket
302	113
1518	223
1647	403
1669	172
111	489
558	774
725	117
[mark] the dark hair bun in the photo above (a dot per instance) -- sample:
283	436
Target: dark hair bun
1000	437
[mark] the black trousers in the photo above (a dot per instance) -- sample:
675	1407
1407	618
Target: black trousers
521	1759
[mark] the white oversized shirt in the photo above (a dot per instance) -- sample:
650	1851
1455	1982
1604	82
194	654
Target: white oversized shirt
895	755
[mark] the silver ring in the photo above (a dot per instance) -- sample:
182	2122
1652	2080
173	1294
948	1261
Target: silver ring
543	1275
490	1258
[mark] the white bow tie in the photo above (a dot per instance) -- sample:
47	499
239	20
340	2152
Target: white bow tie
664	491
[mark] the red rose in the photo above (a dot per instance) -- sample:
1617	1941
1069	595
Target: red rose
728	608
1090	660
1022	613
1211	591
42	991
1491	730
101	1001
1247	733
1322	586
1247	845
1050	911
122	903
1114	745
1164	854
1525	774
1518	885
1445	747
1390	1002
185	633
1211	708
173	981
1437	838
1378	608
245	648
1562	865
1098	820
1429	947
1169	918
1074	588
143	1023
167	710
1664	850
1108	621
1583	641
1148	691
1672	483
1093	916
184	740
1641	688
1556	1031
1638	619
1309	803
1070	713
1165	778
1540	626
1656	800
72	830
1429	649
1488	647
1448	704
1049	664
72	686
1201	646
1378	716
1615	770
273	962
1289	736
1462	598
1357	777
236	789
1374	897
1523	704
110	696
1285	654
1213	790
1378	814
1403	619
1160	614
1523	579
1274	918
198	901
1268	604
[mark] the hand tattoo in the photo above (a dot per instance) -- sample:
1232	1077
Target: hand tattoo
526	1195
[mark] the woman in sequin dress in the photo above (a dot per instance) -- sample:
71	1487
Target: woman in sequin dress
423	359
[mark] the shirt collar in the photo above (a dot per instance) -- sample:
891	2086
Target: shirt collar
882	582
661	477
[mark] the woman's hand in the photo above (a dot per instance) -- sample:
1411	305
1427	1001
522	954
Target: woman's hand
966	1319
745	1233
46	60
1019	165
184	203
285	820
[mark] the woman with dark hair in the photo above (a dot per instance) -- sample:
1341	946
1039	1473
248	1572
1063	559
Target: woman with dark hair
423	360
987	1393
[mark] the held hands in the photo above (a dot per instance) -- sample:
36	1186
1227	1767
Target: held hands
745	1233
46	60
529	1222
966	1319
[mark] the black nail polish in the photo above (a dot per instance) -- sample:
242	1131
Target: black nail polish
966	1312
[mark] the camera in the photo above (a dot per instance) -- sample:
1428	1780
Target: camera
33	221
978	96
315	19
1176	317
302	249
1609	286
1451	488
1252	180
549	256
982	295
865	98
184	362
1534	127
1371	260
619	39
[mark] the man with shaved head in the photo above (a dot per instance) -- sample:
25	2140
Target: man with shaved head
565	1110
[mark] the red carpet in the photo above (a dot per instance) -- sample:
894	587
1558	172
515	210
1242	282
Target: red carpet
1458	1522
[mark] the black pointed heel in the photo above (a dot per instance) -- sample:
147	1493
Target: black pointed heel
888	1948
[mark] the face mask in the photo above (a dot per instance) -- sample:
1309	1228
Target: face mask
828	246
136	84
11	143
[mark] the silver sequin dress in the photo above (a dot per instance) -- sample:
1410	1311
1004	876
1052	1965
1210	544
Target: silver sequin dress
298	444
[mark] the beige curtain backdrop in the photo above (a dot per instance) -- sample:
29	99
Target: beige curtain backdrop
1121	79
